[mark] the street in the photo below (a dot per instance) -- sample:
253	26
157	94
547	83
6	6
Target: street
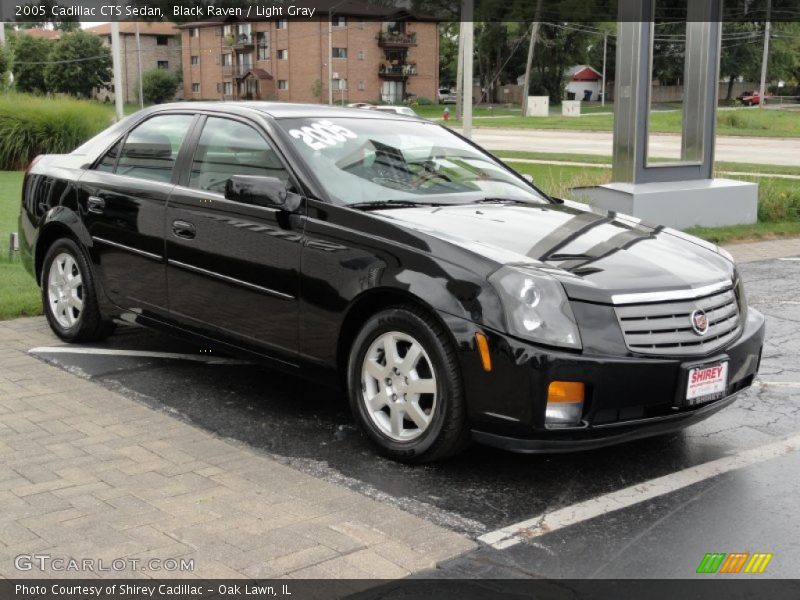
768	151
750	507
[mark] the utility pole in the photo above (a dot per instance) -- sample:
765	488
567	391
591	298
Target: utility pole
116	57
139	65
469	29
330	57
605	55
460	71
762	89
529	62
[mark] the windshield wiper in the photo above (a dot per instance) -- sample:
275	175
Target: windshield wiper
502	201
387	204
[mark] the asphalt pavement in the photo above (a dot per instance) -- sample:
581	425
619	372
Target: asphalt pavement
309	428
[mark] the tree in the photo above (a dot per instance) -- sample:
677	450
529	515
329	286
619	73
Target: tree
3	65
159	86
78	63
30	57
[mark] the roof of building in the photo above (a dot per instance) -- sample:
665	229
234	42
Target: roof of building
129	28
48	34
257	73
583	73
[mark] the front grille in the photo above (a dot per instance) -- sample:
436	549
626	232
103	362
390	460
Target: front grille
665	328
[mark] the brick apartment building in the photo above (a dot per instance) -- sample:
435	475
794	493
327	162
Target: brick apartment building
372	59
160	49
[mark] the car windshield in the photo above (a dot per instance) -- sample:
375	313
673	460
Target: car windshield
372	161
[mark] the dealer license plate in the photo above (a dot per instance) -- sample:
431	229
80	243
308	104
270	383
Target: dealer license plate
706	383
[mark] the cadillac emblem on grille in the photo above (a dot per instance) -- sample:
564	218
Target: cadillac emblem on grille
699	322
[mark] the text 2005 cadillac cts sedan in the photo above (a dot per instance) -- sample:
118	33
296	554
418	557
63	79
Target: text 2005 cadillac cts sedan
448	295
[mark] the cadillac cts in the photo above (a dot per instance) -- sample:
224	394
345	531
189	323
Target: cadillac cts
449	296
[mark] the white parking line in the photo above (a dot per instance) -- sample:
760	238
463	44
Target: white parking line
786	384
208	359
629	496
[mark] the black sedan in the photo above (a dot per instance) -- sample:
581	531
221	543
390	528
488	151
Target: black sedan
452	298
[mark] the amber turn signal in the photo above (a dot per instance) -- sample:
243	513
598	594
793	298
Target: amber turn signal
483	350
564	403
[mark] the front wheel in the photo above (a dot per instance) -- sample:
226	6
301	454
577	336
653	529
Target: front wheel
405	387
69	297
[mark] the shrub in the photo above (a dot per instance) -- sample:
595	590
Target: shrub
158	86
32	125
424	101
777	201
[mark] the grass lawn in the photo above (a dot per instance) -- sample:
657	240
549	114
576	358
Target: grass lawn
19	294
750	122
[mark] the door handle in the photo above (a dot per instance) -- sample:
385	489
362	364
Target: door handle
183	229
95	205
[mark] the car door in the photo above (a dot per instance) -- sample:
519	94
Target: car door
233	268
123	199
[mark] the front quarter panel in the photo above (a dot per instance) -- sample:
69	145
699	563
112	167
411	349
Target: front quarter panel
349	255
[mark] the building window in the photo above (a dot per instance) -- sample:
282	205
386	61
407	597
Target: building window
283	54
194	32
361	85
282	24
283	84
162	40
227	88
361	55
262	41
195	88
227	60
339	52
361	24
163	64
340	84
338	21
195	60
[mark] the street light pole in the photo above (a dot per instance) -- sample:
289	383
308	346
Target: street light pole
468	30
605	55
139	65
764	60
116	58
330	57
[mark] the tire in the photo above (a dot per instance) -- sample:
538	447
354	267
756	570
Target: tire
69	297
413	410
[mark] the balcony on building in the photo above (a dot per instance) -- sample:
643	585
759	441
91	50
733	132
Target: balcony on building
240	41
401	71
396	39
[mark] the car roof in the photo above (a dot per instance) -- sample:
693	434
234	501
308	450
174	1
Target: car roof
279	110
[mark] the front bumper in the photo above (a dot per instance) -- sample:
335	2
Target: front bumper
628	397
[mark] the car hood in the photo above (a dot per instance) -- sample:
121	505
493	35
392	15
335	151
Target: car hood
595	254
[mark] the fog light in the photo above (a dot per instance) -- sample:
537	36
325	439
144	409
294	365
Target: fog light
564	403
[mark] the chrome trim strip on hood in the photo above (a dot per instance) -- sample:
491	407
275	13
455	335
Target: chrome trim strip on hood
667	295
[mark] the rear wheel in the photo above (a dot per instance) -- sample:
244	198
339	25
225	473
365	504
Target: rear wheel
68	295
405	388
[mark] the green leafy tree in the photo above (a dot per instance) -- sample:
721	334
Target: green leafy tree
159	86
78	63
3	65
30	57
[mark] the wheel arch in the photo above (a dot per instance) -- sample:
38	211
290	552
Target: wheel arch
370	303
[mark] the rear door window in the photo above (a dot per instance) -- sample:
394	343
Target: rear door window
151	149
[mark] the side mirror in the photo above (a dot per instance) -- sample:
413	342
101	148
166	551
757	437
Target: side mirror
262	191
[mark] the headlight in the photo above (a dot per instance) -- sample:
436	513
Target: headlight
536	307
